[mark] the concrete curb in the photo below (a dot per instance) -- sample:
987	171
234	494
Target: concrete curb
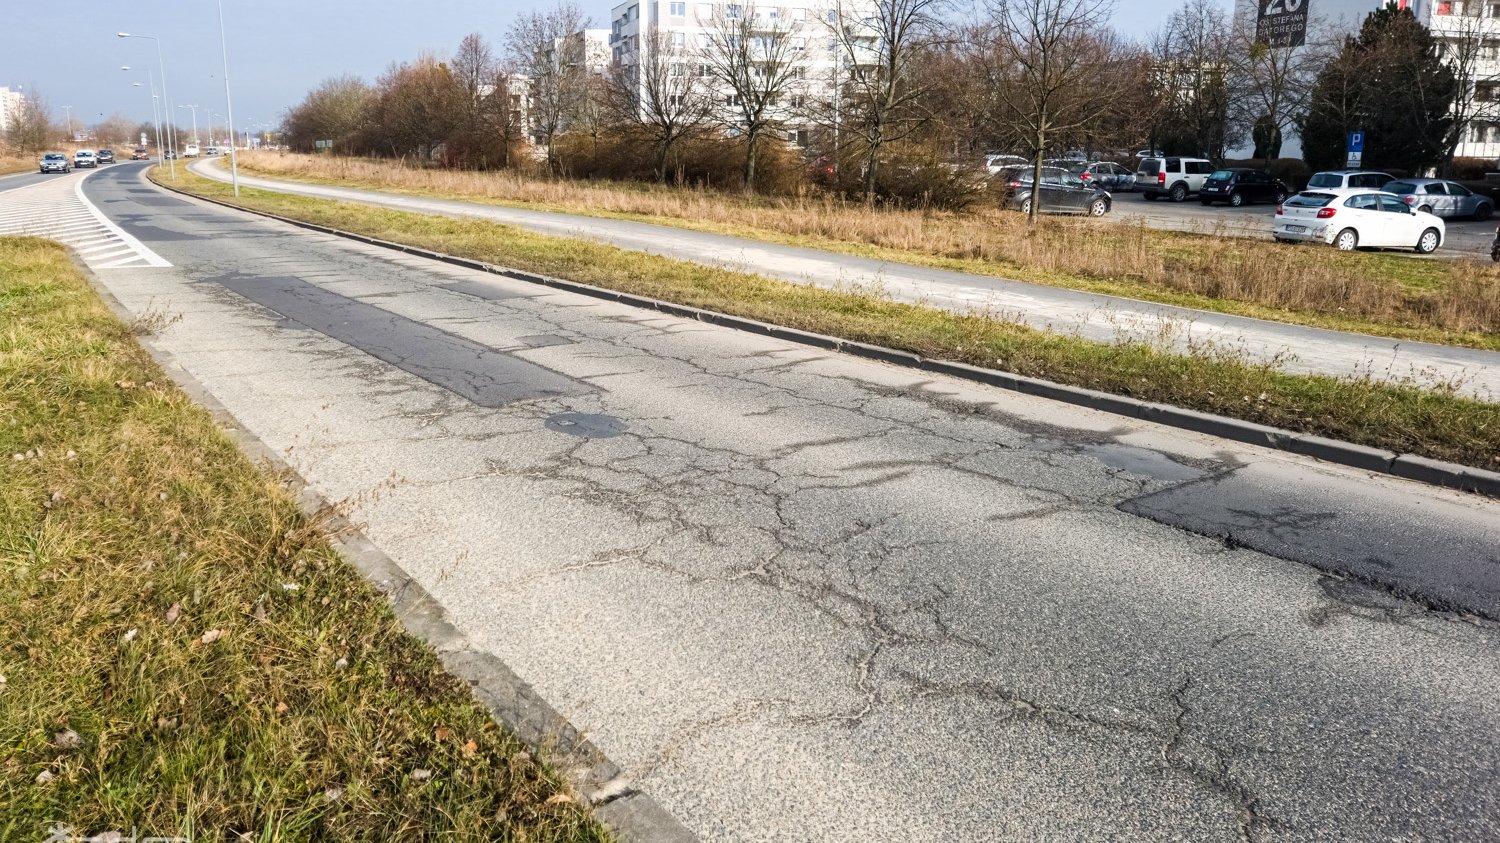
1408	466
599	783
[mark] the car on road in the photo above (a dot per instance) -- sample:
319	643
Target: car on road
1174	178
1372	179
55	162
140	155
106	156
1443	198
214	150
190	151
85	158
1355	218
1062	193
1105	174
1240	185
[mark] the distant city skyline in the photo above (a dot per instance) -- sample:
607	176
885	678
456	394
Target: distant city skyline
279	49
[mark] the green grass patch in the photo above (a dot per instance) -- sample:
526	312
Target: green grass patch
1380	294
183	652
1434	423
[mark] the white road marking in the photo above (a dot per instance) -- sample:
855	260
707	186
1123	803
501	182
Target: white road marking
57	209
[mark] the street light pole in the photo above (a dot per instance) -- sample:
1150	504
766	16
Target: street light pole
195	121
68	110
155	119
234	167
166	98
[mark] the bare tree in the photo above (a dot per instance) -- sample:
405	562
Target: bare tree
879	94
664	94
1047	64
751	53
554	65
1269	86
115	129
31	128
1192	66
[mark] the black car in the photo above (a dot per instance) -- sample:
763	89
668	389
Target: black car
1062	193
106	156
1241	185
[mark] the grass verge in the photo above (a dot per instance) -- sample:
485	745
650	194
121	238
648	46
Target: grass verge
10	164
1448	302
1433	423
182	651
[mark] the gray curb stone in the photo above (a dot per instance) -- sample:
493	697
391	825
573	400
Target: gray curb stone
1410	467
597	781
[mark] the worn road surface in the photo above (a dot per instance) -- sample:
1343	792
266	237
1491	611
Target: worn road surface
1090	315
799	596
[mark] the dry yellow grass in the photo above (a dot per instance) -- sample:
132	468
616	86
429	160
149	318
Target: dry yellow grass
10	163
1369	292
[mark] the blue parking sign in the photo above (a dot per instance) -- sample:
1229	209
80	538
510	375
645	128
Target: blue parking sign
1356	150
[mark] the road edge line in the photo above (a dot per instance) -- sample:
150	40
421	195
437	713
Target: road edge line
633	815
1406	466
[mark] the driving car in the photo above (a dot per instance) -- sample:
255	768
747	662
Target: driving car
140	155
190	151
55	162
1105	174
1174	178
85	158
1240	185
106	156
1442	198
1356	218
1062	193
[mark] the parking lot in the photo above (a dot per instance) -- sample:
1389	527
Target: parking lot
1465	238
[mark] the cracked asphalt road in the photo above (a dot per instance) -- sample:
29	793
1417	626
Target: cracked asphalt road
798	596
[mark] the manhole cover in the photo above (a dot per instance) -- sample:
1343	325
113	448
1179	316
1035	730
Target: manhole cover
586	425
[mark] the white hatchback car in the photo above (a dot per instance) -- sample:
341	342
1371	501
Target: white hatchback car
1353	218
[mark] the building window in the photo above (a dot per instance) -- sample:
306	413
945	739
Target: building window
679	39
633	13
677	9
678	70
734	12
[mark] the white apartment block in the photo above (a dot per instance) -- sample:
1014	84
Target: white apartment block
10	107
1475	23
686	23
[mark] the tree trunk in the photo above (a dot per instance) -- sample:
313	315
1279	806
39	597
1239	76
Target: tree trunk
1036	176
871	166
750	143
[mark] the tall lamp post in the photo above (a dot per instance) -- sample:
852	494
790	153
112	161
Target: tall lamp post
68	110
234	166
161	67
161	153
195	121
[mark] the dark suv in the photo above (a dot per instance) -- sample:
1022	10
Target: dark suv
1238	186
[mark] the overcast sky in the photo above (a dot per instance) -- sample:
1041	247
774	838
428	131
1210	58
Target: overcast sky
278	49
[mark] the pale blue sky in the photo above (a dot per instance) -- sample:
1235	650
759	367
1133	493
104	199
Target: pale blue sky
278	49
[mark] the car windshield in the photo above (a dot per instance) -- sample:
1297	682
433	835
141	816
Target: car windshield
52	158
1310	200
1326	180
1399	187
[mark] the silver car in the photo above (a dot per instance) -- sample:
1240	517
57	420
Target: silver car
1104	174
1442	198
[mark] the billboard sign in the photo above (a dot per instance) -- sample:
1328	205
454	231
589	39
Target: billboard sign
1281	23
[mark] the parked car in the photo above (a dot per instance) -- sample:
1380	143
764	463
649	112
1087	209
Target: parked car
55	162
140	155
1239	185
1175	178
1443	198
106	156
85	158
1372	179
1105	174
992	162
1062	193
1353	218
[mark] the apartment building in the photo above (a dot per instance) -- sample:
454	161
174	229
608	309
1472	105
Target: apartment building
686	24
10	107
1470	31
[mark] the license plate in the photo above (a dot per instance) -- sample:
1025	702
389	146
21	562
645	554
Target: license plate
1296	229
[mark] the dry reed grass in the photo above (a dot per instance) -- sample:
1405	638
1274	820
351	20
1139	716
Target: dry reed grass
1457	296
